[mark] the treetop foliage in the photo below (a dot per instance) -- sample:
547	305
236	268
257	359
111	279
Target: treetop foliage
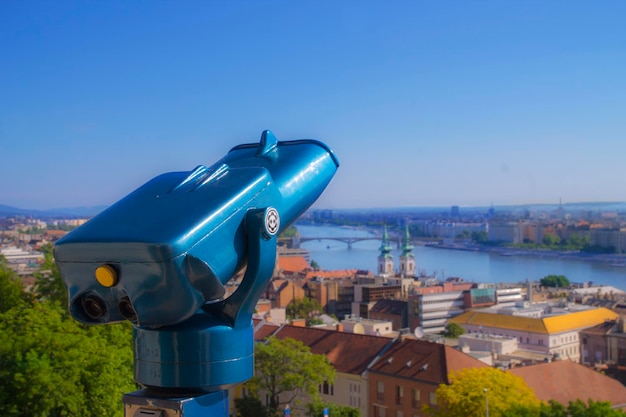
286	366
472	388
555	281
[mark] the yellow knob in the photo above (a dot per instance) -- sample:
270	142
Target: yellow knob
106	275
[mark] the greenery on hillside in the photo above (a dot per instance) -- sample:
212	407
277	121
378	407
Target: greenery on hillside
50	365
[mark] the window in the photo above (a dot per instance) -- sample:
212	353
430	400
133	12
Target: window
399	394
432	398
399	413
415	398
380	391
328	389
379	411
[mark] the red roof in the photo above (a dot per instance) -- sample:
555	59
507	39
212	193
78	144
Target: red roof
565	381
348	352
424	361
293	263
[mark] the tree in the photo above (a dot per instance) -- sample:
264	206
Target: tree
303	308
11	290
51	365
287	367
49	284
316	409
453	330
576	408
250	407
556	281
551	240
472	388
480	237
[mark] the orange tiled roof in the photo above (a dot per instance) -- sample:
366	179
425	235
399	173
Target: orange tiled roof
293	263
562	381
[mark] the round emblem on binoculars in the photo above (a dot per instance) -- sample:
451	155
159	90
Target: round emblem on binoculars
272	221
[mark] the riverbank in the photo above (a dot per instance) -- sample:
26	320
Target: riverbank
617	260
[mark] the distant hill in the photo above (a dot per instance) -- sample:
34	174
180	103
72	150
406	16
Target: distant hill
6	211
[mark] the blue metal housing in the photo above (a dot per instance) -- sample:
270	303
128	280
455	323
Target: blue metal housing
174	242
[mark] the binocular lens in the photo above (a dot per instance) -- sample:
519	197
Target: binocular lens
127	310
93	307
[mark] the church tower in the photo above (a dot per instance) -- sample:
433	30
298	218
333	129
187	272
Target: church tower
407	259
385	259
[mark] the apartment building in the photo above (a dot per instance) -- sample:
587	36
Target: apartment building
555	336
350	354
407	375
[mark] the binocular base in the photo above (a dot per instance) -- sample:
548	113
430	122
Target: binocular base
148	403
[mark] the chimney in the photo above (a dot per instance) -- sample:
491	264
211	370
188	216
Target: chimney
339	327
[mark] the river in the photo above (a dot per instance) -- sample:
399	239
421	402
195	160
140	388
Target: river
443	263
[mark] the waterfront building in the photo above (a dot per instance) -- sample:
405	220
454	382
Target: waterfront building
555	335
385	259
511	232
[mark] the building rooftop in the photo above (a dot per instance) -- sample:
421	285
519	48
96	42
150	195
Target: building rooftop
566	381
348	352
546	325
423	361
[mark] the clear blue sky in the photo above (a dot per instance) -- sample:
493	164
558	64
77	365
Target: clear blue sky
424	102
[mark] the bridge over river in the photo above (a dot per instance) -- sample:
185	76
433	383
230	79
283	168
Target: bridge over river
294	242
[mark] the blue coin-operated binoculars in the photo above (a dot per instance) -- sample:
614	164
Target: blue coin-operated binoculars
160	258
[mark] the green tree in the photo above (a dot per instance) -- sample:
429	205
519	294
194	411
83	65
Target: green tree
250	407
480	237
316	409
49	284
551	240
472	388
287	367
555	281
304	308
11	289
453	330
52	366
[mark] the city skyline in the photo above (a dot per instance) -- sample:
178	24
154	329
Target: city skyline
424	104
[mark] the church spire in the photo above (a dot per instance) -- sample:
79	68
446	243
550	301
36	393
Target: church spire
407	248
385	259
407	259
